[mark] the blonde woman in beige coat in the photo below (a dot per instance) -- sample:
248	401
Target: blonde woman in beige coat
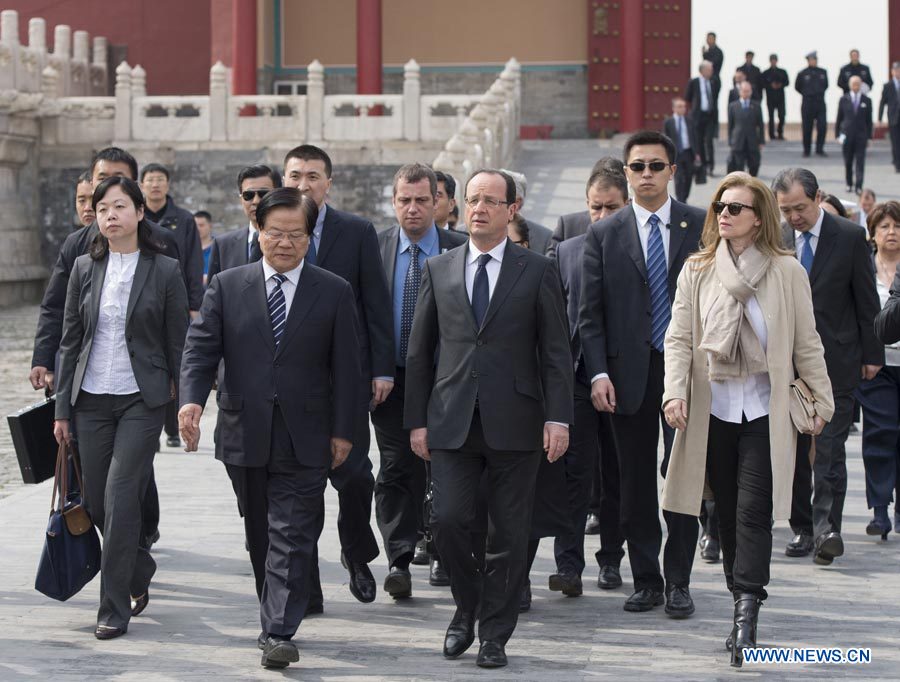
742	324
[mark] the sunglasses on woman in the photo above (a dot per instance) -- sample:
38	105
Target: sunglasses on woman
734	208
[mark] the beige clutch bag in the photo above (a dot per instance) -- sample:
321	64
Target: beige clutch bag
803	406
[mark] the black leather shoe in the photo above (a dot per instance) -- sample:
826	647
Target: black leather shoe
438	576
828	547
525	600
261	641
710	551
140	603
678	602
312	609
567	583
279	653
362	582
108	632
822	153
398	583
592	525
644	600
609	578
173	442
801	545
460	634
420	555
491	655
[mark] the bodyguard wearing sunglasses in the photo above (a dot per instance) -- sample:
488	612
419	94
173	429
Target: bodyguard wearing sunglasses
631	264
241	246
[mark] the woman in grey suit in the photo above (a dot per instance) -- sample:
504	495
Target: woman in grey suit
125	321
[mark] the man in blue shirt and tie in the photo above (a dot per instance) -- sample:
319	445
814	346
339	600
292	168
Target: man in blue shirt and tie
401	484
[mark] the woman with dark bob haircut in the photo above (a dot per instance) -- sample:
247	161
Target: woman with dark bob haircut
125	320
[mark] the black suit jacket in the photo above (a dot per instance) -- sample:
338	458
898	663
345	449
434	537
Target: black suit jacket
184	228
50	319
517	367
312	376
538	237
745	126
693	96
856	125
887	323
845	300
568	226
155	324
770	77
615	297
570	262
229	250
754	77
891	101
349	249
671	132
390	238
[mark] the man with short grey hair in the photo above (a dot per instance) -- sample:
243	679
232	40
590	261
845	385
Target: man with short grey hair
538	235
702	93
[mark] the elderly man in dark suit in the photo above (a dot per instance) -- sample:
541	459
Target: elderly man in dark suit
702	93
679	127
631	264
854	127
241	246
401	483
746	131
842	278
494	315
347	245
890	100
289	415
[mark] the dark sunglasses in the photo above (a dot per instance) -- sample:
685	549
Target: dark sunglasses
655	166
248	194
734	208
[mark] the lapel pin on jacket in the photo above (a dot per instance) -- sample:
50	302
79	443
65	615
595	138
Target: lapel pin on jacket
683	224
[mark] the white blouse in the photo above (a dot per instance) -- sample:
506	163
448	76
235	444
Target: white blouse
735	398
109	368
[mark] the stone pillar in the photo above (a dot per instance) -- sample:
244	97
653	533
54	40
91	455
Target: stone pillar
9	48
632	66
122	126
243	51
218	102
412	100
99	77
315	101
81	46
61	57
368	47
35	57
37	34
138	82
50	90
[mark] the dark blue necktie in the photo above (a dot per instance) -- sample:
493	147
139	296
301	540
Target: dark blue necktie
254	252
277	307
678	141
657	276
481	291
806	252
410	294
311	252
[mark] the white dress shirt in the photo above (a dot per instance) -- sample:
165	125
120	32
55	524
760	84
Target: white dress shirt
734	398
289	286
800	242
109	370
493	267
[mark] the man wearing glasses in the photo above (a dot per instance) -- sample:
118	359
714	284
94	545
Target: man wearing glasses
631	264
241	246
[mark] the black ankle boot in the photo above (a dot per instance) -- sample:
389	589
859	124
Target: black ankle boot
743	634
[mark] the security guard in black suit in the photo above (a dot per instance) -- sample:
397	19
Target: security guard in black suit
890	99
774	81
812	83
854	68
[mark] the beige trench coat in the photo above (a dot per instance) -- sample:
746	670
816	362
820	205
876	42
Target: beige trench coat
785	300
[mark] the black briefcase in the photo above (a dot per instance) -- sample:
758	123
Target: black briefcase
32	436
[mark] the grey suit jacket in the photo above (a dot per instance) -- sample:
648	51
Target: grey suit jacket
229	251
745	126
568	226
517	366
538	237
390	238
155	324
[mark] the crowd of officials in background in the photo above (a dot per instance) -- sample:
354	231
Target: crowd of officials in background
518	378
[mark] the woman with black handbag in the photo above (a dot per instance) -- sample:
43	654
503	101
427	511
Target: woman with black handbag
742	323
125	321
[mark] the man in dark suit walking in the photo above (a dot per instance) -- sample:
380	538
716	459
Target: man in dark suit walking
679	127
493	313
289	415
631	264
241	246
703	94
890	100
347	245
401	483
842	278
746	132
775	80
811	83
854	128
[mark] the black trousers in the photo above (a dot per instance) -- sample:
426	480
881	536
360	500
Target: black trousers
854	149
826	478
171	423
880	400
739	469
894	132
684	175
400	486
705	129
813	113
775	104
745	157
282	505
605	498
492	587
637	440
709	519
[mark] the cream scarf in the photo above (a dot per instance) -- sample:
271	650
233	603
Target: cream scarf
734	349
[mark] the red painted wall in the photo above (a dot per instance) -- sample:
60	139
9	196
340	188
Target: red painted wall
169	38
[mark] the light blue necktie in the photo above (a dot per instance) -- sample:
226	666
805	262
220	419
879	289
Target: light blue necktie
806	252
657	276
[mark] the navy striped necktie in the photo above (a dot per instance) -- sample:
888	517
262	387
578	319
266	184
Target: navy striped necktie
277	307
657	277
